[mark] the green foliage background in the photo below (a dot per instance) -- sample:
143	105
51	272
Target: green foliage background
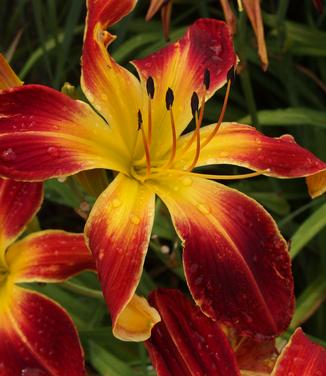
43	41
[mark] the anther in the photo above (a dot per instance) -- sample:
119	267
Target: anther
140	120
231	75
169	98
207	78
194	104
150	87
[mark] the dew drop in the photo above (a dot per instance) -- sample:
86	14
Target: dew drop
134	219
116	203
203	209
53	151
187	181
32	372
8	155
101	254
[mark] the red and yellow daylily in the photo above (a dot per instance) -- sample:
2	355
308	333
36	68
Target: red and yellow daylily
235	260
36	335
188	343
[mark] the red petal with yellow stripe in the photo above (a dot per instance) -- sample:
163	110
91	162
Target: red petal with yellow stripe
19	202
37	337
44	133
243	145
186	342
206	45
301	357
236	262
111	89
118	232
48	256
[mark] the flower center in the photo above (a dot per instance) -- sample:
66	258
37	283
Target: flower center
160	168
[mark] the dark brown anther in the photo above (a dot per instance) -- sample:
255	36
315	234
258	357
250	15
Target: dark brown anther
231	75
150	87
169	99
194	103
207	78
140	120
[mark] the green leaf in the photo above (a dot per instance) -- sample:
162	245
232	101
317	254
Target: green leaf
309	301
106	363
292	116
309	228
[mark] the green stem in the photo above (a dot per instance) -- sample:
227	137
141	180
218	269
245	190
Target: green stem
82	290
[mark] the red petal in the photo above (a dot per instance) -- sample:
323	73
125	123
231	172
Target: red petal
207	44
49	256
243	145
38	338
118	230
44	133
186	342
236	261
111	89
19	202
301	357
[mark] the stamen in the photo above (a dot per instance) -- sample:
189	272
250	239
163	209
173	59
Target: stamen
146	147
150	91
230	79
218	177
194	108
207	78
169	99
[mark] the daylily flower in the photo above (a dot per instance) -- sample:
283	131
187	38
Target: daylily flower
36	335
235	260
186	342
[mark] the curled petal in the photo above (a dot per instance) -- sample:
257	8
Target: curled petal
316	184
236	262
37	337
48	256
8	77
111	89
207	45
243	145
301	357
44	133
118	231
186	342
19	202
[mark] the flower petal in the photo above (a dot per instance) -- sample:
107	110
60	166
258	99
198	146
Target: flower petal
252	8
236	262
111	89
8	77
243	145
48	256
316	184
37	337
186	342
207	44
19	202
118	232
44	133
301	357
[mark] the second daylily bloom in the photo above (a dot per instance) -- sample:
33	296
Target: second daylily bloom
37	337
236	262
188	343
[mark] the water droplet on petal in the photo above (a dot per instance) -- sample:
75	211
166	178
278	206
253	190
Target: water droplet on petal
53	151
8	155
101	254
32	372
116	203
187	181
134	219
